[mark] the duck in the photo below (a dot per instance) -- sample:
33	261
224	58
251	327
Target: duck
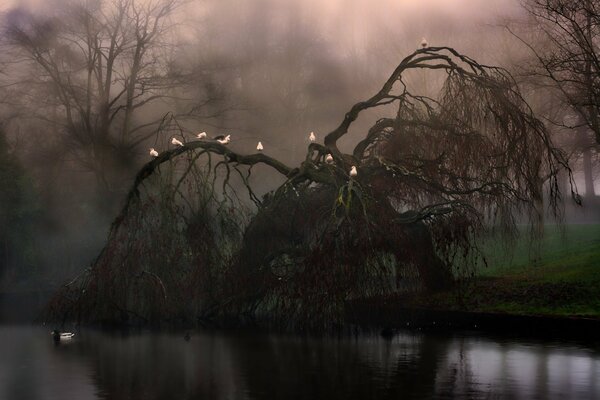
58	335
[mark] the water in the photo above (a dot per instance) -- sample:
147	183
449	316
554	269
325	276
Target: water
227	365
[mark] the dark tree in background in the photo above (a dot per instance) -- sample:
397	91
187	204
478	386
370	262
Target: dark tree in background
92	72
568	65
431	178
18	216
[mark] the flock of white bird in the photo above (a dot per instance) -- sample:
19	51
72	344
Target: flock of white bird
224	140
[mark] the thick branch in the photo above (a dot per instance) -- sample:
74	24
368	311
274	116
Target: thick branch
419	59
210	146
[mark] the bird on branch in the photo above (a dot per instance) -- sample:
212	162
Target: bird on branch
224	140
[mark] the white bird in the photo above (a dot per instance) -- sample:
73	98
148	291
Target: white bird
329	159
201	135
312	137
353	171
259	146
176	142
153	152
225	140
424	43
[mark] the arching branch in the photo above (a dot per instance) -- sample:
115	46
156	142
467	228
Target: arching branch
423	58
213	147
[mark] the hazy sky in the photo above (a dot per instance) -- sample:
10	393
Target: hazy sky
352	24
419	8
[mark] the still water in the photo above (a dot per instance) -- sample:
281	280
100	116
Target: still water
226	365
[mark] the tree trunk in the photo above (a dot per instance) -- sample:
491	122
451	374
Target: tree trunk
588	173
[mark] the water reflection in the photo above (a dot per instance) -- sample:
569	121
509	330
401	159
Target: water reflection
250	366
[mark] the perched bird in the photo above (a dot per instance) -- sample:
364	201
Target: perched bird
153	152
259	146
353	171
329	159
312	137
201	135
223	140
424	43
176	142
58	335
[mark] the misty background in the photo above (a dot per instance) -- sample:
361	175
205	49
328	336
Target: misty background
268	70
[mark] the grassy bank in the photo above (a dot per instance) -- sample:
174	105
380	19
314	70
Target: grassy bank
566	281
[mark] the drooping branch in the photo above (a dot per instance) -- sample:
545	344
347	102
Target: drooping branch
208	146
428	58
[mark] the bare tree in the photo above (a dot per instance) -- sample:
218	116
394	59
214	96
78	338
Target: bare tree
568	65
571	61
96	71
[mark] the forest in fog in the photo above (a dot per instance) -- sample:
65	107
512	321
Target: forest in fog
87	87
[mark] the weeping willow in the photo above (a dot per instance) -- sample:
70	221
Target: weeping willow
432	177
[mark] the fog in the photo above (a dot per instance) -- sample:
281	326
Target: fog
268	70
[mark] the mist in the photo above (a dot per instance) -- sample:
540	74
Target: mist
407	189
267	70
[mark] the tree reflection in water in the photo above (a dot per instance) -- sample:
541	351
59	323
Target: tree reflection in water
226	365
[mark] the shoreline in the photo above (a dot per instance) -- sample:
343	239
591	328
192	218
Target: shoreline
395	316
386	314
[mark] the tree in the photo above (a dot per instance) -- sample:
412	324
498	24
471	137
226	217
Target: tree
568	63
94	71
431	178
571	62
18	212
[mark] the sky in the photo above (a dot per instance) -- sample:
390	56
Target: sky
465	9
354	23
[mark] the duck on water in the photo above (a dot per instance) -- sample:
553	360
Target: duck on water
58	335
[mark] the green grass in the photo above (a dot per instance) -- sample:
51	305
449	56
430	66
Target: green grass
565	282
572	247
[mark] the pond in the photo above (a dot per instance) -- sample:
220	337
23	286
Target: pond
234	365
